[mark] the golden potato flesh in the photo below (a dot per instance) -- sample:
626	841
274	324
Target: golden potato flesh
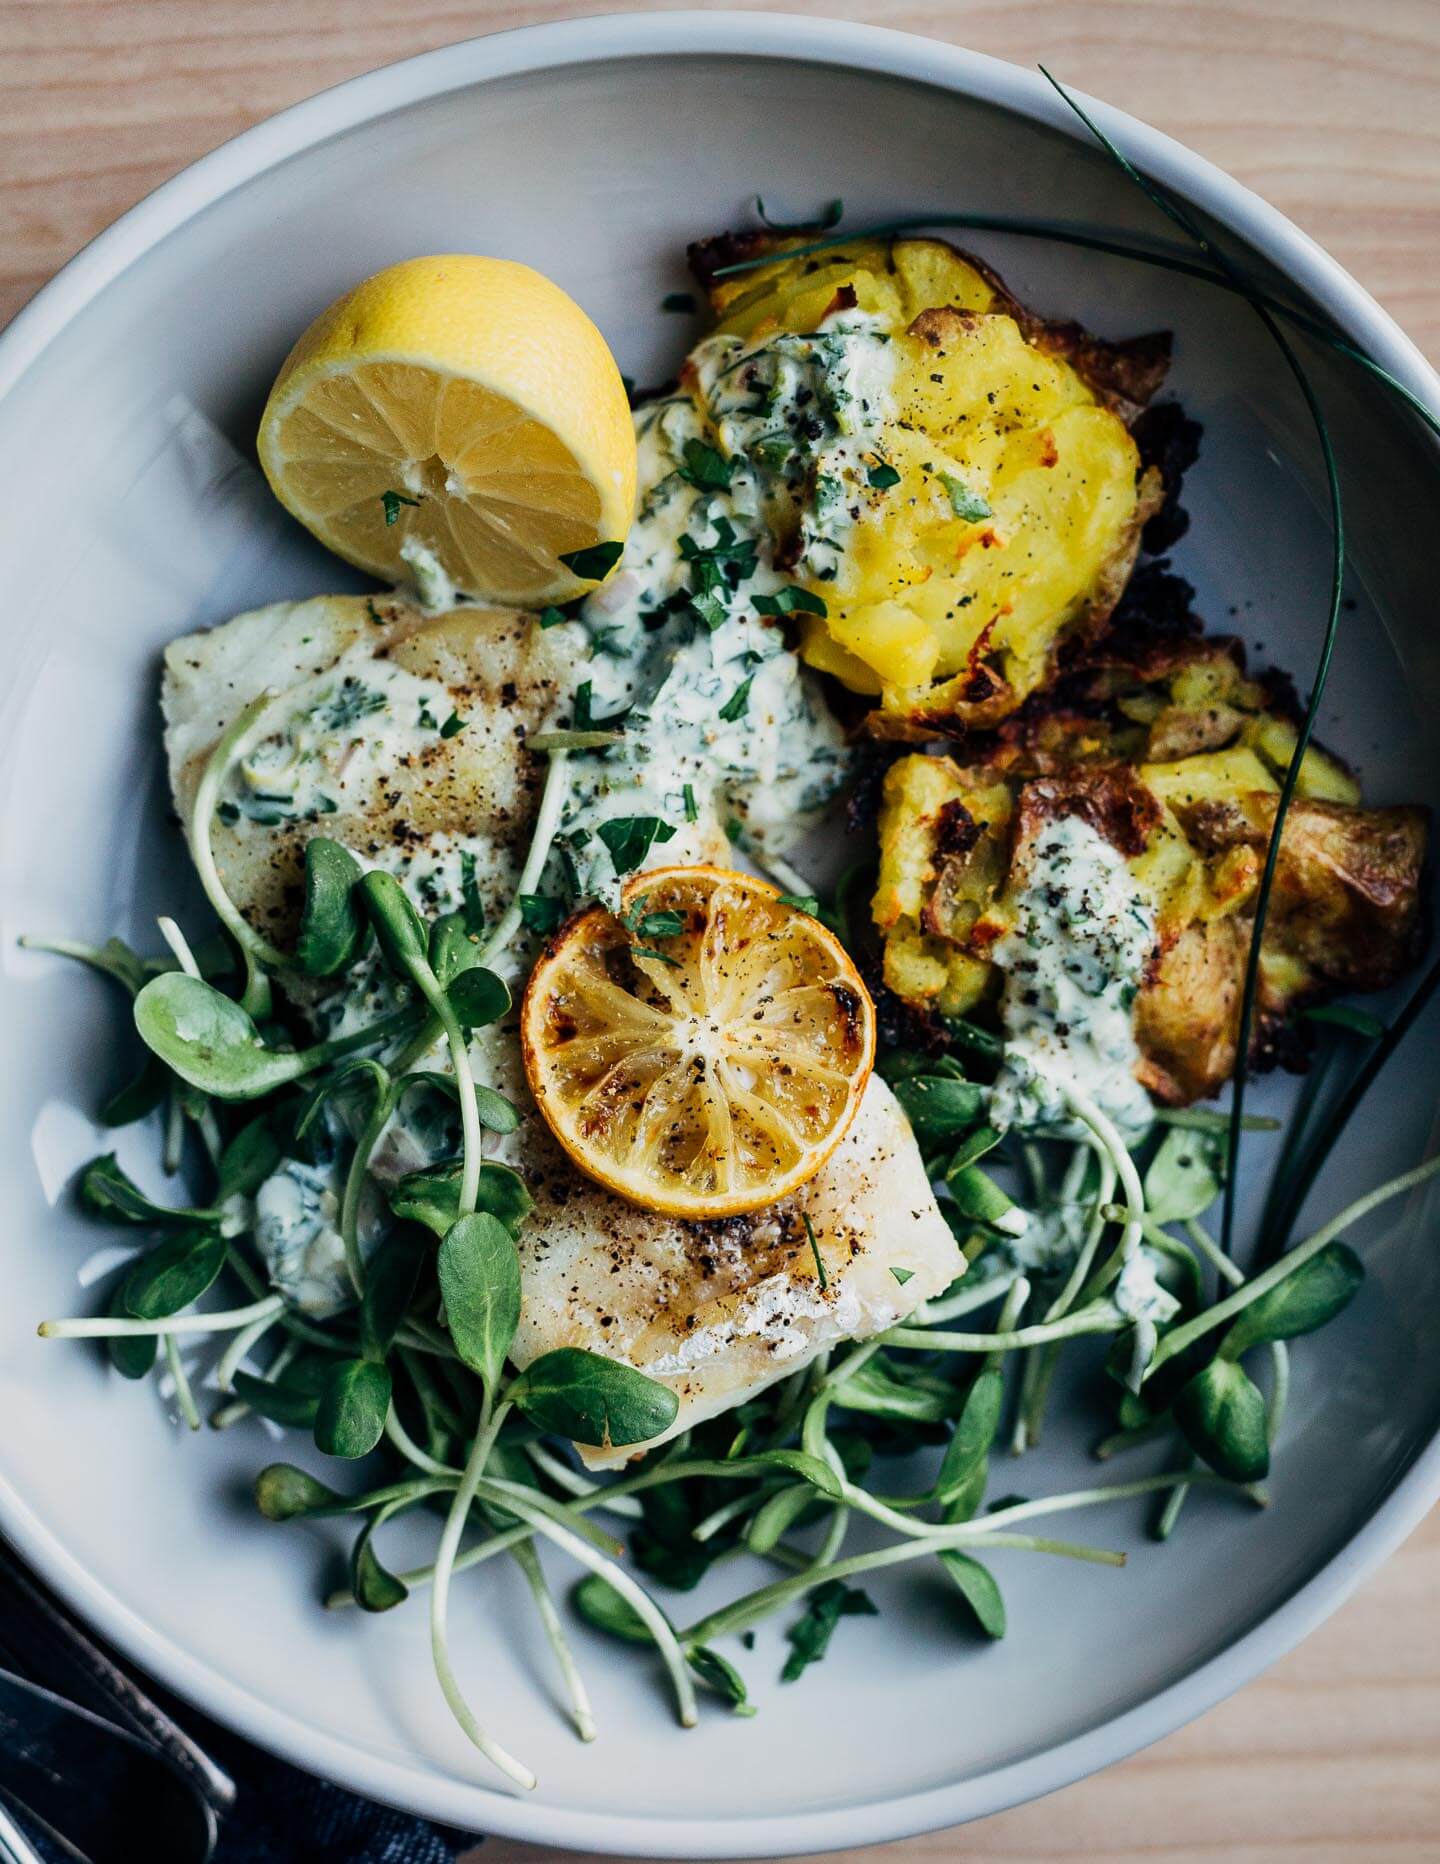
1016	514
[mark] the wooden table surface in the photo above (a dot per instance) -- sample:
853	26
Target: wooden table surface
1328	109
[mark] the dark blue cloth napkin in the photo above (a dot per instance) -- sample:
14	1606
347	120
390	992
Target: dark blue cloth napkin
284	1816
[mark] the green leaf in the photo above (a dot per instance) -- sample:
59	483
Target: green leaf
109	1192
718	1673
977	1197
812	1469
706	467
1222	1415
594	564
877	1389
376	1589
1185	1176
479	1272
541	912
478	998
789	601
350	1418
1307	1299
133	1354
391	1277
592	1399
968	1450
972	1147
208	1040
399	929
452	948
140	1095
939	1108
285	1493
978	1589
882	477
802	903
174	1275
432	1196
603	1609
1346	1016
963	502
809	1638
630	838
277	1399
248	1160
331	928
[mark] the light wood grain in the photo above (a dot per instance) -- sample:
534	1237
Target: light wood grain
1329	110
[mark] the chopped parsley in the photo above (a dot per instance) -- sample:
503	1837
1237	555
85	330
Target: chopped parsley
427	720
706	467
472	907
594	564
542	912
645	924
709	610
453	725
584	718
802	902
882	477
902	1275
551	617
392	501
347	705
788	601
963	502
660	957
810	1637
692	814
630	838
373	612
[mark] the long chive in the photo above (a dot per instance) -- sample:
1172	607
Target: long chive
1181	218
1335	1123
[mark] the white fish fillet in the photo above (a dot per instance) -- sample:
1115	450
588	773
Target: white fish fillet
718	1311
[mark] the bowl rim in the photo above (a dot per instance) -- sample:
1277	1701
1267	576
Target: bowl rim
472	1804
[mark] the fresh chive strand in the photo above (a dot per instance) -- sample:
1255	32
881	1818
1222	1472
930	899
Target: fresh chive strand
1178	215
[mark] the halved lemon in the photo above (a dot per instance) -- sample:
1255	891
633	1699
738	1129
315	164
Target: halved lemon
703	1050
457	417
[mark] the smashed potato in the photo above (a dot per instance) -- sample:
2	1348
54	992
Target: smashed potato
1015	495
1182	773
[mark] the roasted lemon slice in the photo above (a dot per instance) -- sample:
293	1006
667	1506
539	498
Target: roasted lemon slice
457	422
703	1050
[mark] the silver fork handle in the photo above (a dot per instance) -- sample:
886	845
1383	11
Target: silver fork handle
15	1848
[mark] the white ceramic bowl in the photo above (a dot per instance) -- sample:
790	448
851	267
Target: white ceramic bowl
131	510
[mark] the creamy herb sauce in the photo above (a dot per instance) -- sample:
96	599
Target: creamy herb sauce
1073	965
761	454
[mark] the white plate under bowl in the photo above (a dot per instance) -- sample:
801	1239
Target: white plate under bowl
131	511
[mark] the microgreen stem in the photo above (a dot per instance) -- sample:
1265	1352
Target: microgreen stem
184	1397
581	1714
759	1604
1216	1316
386	1096
1099	1317
254	949
105	1326
571	1480
953	1306
235	1353
440	1604
547	821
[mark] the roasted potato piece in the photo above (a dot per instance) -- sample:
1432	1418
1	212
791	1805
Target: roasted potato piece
1344	912
1016	516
